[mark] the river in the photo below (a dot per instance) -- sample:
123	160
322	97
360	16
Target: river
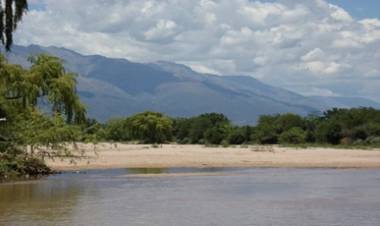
233	197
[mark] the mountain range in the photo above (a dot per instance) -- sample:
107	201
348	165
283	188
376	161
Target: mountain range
118	87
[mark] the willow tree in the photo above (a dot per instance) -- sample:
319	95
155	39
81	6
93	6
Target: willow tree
20	93
11	12
46	79
150	127
49	75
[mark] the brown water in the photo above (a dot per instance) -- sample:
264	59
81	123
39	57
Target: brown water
278	197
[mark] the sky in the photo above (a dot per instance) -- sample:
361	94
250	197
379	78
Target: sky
313	47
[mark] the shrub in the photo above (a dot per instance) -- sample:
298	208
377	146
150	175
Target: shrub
329	132
237	136
265	134
21	165
373	140
117	130
214	135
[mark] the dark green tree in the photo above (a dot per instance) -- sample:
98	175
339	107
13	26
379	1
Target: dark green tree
287	121
216	134
329	132
238	135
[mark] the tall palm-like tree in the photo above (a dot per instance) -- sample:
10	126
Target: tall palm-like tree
11	12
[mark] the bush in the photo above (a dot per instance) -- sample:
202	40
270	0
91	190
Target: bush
214	135
21	166
294	135
117	130
265	134
237	136
373	140
329	132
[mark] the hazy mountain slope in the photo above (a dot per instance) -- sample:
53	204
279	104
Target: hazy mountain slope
344	102
118	87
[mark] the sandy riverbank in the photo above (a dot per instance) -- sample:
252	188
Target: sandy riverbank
106	156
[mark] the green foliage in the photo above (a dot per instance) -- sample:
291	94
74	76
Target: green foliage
265	134
287	121
266	130
92	131
336	126
117	130
37	130
270	128
24	126
208	127
295	135
329	132
21	166
181	130
150	127
21	89
215	135
50	78
238	136
147	127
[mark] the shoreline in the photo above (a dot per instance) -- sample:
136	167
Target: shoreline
117	155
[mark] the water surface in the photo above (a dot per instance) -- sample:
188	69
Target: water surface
278	197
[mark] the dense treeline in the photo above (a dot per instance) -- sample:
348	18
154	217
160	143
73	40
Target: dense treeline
359	126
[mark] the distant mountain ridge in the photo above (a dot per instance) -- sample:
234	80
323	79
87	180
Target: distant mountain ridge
118	87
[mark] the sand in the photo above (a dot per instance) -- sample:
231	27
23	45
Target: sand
108	156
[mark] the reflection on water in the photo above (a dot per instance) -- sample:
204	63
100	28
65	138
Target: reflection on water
177	170
147	170
34	201
235	197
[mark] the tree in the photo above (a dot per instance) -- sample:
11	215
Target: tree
294	135
20	89
204	122
11	12
117	130
181	130
266	130
216	134
38	131
330	132
265	134
46	78
238	135
151	127
287	121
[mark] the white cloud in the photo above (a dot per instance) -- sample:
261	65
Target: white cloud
315	54
324	68
162	30
290	43
202	69
339	14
